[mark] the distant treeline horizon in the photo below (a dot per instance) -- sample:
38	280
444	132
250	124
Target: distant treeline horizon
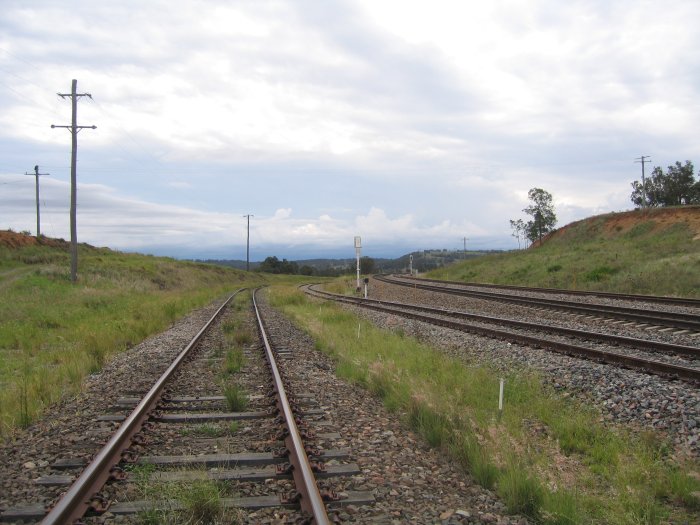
423	261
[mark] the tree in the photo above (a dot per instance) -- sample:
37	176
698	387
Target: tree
542	212
274	265
676	187
367	265
306	270
519	229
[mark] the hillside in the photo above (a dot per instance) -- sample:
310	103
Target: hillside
53	332
653	251
423	261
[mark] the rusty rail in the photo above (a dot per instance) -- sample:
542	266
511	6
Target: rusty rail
659	299
311	500
675	320
639	363
77	500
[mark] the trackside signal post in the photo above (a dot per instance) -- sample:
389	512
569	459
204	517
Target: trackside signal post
358	248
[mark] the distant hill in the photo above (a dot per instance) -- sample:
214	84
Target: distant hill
423	261
653	251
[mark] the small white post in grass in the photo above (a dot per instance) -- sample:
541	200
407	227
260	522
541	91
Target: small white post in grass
500	399
358	330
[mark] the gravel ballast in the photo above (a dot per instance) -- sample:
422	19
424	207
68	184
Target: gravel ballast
624	396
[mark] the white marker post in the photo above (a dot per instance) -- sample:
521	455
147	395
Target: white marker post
500	399
358	246
410	264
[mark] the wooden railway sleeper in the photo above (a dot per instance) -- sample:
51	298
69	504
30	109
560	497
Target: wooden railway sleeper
312	452
293	497
116	473
307	433
281	453
98	503
330	495
129	457
318	466
140	439
284	468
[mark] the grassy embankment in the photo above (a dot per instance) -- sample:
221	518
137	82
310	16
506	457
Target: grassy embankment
654	252
547	457
54	333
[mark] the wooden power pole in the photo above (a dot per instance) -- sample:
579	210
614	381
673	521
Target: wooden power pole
247	244
38	220
74	129
643	160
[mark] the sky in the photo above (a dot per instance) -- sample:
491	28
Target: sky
413	124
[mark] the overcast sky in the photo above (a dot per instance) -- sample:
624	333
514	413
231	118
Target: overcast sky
413	124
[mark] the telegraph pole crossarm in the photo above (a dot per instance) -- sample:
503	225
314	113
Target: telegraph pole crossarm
74	129
37	175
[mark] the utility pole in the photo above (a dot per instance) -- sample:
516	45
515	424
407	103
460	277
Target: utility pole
247	244
74	129
644	190
37	175
465	247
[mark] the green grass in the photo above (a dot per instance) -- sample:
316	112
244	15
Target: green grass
53	333
211	429
547	457
236	398
651	257
236	335
199	501
234	361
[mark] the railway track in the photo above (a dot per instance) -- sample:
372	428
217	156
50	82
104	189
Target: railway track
676	301
675	320
476	324
289	459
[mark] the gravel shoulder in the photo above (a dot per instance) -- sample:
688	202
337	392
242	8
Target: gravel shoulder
622	396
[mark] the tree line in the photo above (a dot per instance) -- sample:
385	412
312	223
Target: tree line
273	265
676	187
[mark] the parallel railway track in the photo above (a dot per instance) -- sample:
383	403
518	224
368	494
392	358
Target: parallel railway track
438	317
676	301
681	321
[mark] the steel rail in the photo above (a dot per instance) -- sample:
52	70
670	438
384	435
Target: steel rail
304	478
76	501
675	320
660	299
641	344
647	365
